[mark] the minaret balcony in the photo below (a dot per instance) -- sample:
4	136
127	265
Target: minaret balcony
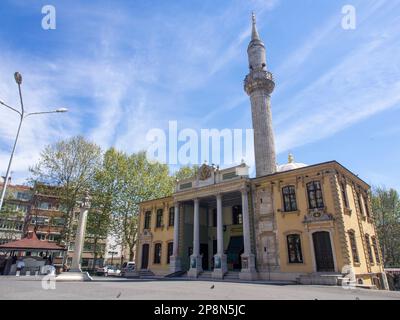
259	80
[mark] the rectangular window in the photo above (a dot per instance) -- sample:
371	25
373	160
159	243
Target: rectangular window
157	253
366	206
147	220
41	236
237	215
360	206
344	195
368	244
376	250
44	206
314	191
23	196
170	251
58	221
289	198
171	218
294	248
353	245
159	219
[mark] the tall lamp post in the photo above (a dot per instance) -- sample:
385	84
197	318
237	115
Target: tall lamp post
22	116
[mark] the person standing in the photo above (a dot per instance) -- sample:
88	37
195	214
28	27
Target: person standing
20	266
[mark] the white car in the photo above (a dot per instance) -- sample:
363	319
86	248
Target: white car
108	271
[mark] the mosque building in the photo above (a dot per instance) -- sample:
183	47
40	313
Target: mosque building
294	222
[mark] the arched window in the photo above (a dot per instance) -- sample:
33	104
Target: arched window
294	248
314	193
157	253
289	198
353	245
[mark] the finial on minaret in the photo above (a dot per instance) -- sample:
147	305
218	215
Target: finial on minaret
254	32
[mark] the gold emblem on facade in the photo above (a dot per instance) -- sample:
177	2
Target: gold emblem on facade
204	172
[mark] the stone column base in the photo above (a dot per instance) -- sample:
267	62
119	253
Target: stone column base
175	264
74	276
220	266
385	281
195	266
248	271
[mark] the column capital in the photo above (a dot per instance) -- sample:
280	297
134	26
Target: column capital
219	194
196	200
244	189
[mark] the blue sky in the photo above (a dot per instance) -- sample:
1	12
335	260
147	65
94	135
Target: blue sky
124	67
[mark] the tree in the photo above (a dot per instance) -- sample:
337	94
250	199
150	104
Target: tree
69	165
186	172
145	181
125	181
386	208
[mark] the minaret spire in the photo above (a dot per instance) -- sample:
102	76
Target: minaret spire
254	32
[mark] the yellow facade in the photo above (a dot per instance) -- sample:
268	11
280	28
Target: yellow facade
271	224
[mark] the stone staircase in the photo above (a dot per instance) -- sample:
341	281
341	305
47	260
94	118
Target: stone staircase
326	279
205	275
145	274
231	275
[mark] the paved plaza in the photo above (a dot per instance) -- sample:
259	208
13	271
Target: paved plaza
117	288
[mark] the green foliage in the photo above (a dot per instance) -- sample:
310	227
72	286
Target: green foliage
386	208
70	166
186	172
122	183
118	182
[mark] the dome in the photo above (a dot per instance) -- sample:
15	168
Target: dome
291	165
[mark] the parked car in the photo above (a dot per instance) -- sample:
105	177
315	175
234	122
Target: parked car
127	267
108	271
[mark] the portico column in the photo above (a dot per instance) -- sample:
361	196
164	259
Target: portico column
175	260
220	266
195	258
248	271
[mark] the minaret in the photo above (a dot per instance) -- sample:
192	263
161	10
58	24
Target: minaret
259	84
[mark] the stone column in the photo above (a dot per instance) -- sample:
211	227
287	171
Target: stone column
175	260
75	273
80	235
195	259
220	265
248	271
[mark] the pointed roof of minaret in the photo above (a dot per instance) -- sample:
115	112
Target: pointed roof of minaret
254	32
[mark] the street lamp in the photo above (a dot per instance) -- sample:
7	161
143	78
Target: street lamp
22	115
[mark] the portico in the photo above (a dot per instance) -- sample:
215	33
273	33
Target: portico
215	218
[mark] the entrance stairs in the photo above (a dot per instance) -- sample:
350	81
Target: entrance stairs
327	279
231	275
